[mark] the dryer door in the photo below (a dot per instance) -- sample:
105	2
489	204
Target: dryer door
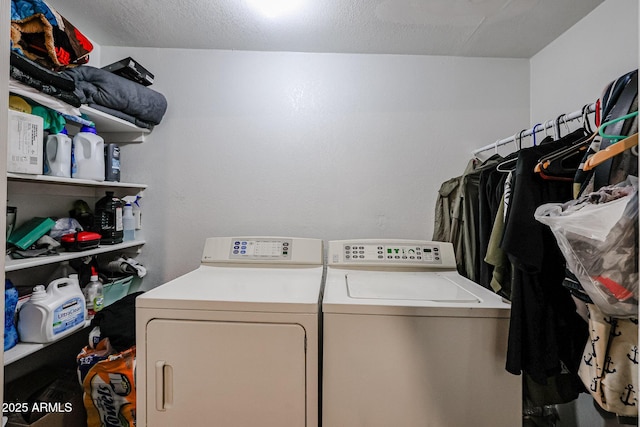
204	373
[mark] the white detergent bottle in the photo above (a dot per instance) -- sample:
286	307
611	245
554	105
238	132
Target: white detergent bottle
52	313
57	155
88	155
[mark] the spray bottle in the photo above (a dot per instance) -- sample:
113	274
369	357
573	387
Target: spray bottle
137	213
128	223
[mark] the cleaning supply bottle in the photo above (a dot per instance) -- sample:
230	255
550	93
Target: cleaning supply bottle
137	210
57	155
10	303
74	278
63	270
108	219
52	313
137	213
88	155
112	162
94	294
128	223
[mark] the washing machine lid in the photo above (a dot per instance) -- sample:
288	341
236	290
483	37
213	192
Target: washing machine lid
386	285
416	293
268	289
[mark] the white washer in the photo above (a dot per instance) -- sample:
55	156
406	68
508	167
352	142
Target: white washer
234	342
409	342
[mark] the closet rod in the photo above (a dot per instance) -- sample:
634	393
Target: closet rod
538	128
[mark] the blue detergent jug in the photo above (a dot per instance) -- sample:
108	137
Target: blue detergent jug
10	303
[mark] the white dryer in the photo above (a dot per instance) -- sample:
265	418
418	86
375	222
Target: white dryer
236	341
409	342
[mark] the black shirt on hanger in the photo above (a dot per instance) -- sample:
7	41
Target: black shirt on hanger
545	331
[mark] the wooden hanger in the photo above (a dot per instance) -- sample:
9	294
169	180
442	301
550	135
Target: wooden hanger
611	151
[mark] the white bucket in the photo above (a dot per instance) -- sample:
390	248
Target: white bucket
58	155
88	153
52	313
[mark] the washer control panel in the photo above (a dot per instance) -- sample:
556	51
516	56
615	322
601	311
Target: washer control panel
260	249
391	253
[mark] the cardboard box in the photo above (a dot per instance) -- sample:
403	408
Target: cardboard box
76	418
47	397
25	150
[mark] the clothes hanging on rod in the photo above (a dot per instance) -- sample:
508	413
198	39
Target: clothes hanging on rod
518	259
500	245
545	331
549	124
456	215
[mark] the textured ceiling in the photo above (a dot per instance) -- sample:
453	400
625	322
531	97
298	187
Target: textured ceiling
486	28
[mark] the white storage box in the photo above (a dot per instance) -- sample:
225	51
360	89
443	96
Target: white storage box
25	146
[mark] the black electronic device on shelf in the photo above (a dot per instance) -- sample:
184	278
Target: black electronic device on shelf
130	69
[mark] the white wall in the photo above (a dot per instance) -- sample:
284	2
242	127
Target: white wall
575	68
315	145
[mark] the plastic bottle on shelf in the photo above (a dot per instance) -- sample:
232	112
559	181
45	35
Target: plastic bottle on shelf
52	313
88	155
112	162
74	278
128	223
108	219
63	270
137	211
57	155
94	294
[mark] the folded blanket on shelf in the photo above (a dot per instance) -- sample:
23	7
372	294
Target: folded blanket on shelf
40	33
100	87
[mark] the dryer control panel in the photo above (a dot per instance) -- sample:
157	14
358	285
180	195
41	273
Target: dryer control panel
262	250
392	253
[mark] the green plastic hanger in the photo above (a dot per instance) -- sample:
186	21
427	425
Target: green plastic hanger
615	138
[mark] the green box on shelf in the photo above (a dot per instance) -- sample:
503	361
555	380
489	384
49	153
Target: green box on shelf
116	289
29	232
